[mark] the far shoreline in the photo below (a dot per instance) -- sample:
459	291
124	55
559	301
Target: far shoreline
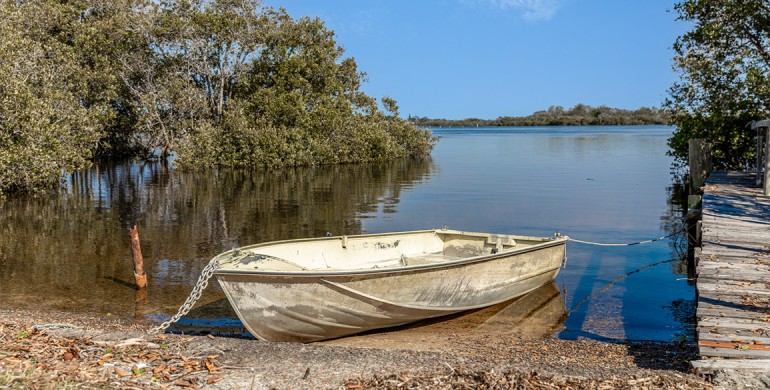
579	115
587	125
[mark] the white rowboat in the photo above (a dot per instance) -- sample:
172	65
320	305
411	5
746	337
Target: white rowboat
321	288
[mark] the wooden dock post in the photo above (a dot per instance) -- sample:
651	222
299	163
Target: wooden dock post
699	159
139	276
140	300
767	163
760	127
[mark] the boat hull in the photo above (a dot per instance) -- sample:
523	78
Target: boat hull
313	306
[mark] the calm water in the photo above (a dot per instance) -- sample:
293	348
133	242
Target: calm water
604	184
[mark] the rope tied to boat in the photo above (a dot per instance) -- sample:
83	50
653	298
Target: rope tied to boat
627	274
623	244
195	294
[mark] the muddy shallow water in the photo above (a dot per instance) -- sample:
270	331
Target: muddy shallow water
611	184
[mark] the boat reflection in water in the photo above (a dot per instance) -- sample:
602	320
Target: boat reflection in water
538	314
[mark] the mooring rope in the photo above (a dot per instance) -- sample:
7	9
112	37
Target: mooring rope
629	244
621	277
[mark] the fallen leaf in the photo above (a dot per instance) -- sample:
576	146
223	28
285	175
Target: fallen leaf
210	366
121	373
137	371
158	369
184	383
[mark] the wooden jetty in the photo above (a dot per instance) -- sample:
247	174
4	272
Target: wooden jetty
733	275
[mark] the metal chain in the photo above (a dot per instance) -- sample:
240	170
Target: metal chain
195	294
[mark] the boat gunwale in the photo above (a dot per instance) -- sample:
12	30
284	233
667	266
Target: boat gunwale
546	243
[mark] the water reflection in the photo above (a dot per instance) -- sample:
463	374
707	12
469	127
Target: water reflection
71	251
536	315
608	184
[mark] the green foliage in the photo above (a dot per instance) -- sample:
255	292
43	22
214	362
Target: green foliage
219	82
733	143
723	63
580	115
299	104
50	114
194	54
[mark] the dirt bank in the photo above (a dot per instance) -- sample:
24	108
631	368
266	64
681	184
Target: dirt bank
41	350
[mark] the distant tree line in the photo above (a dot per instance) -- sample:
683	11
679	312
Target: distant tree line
580	115
219	83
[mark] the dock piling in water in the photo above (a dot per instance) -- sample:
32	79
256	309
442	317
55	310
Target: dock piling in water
139	275
700	162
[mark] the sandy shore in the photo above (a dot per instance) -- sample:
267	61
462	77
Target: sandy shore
48	349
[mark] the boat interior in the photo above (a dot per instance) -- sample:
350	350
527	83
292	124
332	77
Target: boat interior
366	252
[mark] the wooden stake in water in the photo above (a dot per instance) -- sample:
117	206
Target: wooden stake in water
139	276
140	300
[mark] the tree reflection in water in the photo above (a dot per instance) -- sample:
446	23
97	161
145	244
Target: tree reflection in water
70	251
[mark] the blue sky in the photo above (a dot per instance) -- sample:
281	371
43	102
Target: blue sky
488	58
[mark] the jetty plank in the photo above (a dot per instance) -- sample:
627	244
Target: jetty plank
728	313
729	351
733	287
748	365
734	323
733	275
754	341
738	332
733	250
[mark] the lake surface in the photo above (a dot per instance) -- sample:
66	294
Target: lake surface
604	184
